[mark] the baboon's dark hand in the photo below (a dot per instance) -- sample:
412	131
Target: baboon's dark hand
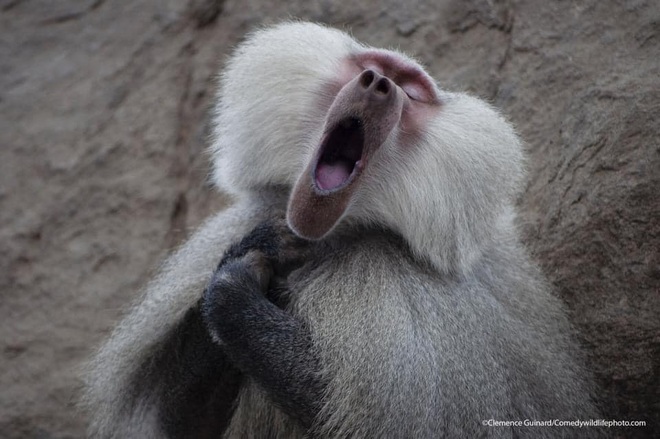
259	263
275	241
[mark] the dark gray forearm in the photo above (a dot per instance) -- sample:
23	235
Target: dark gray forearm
195	382
267	343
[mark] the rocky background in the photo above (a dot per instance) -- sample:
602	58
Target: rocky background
103	126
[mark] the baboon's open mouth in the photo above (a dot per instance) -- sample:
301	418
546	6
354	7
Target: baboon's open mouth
340	157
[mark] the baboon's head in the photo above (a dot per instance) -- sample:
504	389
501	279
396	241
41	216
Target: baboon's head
364	135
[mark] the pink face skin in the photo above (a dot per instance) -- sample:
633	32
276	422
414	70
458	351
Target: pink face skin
414	81
375	92
423	101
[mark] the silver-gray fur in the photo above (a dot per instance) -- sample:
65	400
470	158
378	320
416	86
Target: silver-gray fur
116	409
425	311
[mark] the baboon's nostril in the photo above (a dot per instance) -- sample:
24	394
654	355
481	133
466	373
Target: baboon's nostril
383	86
367	78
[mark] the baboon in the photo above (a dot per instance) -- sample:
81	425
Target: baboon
371	282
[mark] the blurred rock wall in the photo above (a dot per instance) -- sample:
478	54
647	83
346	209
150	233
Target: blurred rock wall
103	125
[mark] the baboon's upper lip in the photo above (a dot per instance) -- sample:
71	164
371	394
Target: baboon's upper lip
340	157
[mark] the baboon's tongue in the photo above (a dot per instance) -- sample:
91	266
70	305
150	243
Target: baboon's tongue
339	153
331	176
